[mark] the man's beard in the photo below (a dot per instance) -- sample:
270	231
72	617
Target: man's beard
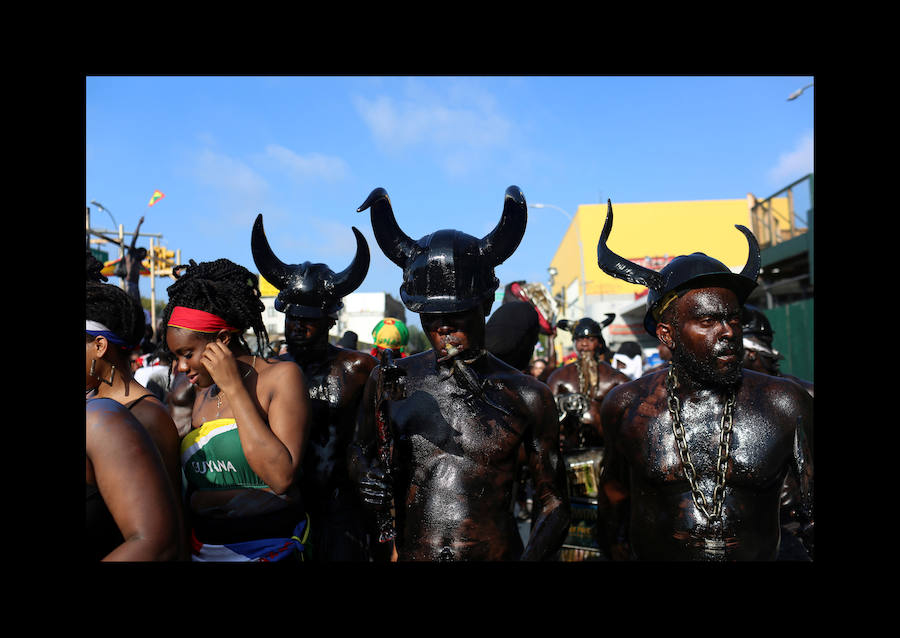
705	371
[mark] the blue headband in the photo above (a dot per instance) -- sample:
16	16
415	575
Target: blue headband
97	329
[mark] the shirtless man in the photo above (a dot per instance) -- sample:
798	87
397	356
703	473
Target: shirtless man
580	387
702	448
310	297
455	417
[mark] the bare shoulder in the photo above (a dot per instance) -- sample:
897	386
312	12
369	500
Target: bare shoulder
106	420
279	371
563	374
777	392
632	391
358	361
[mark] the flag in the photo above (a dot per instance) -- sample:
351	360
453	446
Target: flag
157	195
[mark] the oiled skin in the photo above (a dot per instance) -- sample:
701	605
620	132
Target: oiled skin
772	418
455	459
335	380
565	381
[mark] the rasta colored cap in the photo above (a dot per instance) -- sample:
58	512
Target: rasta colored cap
307	289
391	333
448	270
684	273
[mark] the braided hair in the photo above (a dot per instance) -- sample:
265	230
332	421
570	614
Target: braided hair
222	288
112	306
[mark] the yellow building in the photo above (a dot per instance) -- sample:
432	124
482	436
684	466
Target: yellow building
651	234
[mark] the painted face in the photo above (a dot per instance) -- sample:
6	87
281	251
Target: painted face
708	340
587	344
454	332
188	347
302	332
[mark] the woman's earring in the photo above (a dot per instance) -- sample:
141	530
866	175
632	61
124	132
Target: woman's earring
112	373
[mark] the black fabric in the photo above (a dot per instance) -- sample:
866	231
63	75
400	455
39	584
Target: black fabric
349	340
221	531
629	349
512	332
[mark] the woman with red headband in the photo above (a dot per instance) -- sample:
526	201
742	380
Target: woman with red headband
249	422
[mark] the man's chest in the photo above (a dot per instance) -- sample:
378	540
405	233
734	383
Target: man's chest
754	449
437	417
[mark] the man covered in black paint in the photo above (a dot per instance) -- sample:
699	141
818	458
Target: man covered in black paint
455	417
310	298
702	448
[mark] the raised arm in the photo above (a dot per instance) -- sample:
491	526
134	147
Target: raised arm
273	443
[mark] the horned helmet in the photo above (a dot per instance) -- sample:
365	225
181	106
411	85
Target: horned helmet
685	272
307	289
448	270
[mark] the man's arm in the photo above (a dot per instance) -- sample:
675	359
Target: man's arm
802	466
363	462
615	482
551	501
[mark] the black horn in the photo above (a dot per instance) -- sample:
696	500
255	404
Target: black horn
275	271
499	244
619	267
754	261
352	277
394	243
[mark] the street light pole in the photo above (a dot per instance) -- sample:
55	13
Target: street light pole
102	207
796	94
582	284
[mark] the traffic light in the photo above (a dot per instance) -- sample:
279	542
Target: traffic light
165	260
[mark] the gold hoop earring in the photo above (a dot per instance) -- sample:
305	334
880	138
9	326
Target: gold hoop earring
112	373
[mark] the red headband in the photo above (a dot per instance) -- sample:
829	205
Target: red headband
198	320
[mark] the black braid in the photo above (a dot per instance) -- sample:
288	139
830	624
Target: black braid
112	306
222	288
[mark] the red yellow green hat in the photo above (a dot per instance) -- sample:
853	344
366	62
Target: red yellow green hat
391	333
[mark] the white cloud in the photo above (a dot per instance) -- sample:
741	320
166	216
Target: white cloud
311	165
795	163
461	118
228	174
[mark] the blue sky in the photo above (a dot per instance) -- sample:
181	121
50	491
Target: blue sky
306	151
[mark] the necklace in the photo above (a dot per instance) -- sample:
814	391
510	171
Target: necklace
219	393
713	541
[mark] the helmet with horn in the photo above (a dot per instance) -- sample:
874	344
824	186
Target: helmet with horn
448	270
307	289
685	272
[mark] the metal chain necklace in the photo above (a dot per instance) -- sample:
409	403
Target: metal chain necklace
219	393
712	546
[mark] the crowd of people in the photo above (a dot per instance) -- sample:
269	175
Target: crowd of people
213	448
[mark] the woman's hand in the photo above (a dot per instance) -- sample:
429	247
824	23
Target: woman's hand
219	361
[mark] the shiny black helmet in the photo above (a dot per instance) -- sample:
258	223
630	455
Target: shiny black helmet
755	324
448	270
686	272
307	289
587	327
